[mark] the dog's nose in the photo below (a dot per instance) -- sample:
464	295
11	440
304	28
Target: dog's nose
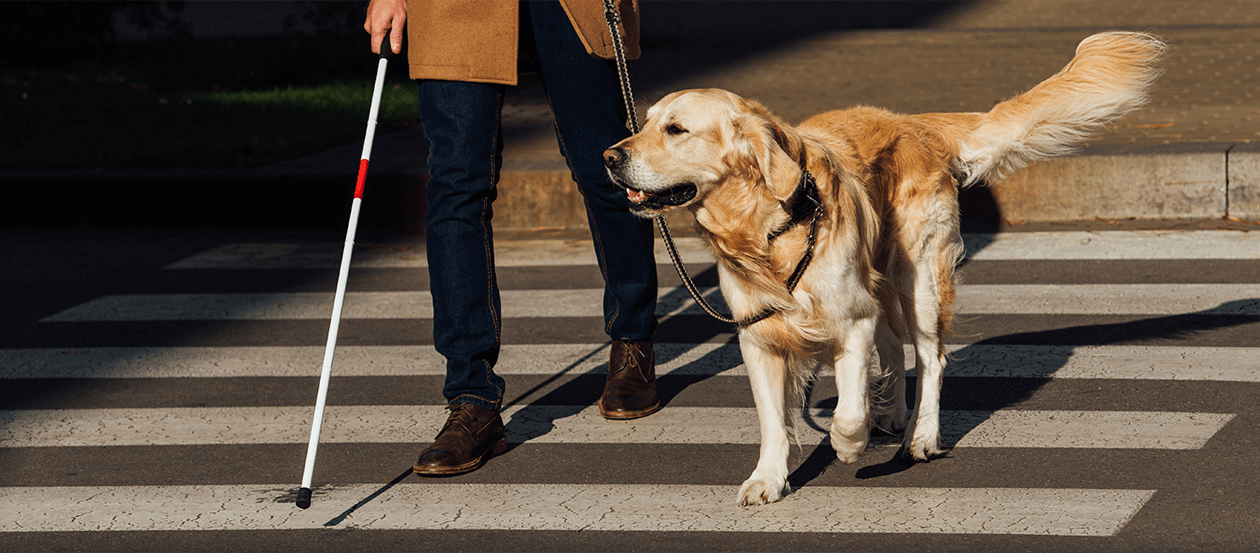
614	157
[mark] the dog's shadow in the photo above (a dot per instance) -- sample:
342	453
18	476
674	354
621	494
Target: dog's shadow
980	396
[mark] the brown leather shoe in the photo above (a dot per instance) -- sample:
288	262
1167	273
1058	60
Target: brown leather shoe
630	388
471	435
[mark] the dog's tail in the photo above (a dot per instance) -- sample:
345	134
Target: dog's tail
1111	75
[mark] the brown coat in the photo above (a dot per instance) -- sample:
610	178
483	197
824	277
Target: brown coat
477	40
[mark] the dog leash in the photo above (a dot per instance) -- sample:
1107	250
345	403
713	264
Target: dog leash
627	95
811	193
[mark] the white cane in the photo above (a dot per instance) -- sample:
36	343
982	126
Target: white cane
304	493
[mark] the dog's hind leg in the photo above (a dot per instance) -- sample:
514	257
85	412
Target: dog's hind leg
768	374
927	322
851	424
923	434
888	394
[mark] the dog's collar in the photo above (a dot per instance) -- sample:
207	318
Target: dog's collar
805	204
801	210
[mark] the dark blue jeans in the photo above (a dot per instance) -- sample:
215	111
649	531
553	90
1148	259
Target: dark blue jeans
461	124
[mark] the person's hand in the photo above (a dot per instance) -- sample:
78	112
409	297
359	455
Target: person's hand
386	17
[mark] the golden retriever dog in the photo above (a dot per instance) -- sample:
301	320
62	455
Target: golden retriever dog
883	245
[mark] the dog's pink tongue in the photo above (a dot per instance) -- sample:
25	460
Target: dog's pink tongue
636	196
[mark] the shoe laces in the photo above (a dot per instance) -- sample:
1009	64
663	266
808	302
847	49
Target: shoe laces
631	358
460	414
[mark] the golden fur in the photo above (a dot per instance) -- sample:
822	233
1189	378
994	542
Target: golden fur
887	245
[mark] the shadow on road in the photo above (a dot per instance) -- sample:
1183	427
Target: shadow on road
1148	330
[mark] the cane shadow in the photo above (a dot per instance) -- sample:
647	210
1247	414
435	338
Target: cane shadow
581	383
973	368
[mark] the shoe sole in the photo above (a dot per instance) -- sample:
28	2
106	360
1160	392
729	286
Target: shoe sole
628	415
499	448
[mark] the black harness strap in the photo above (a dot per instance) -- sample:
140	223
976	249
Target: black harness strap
801	210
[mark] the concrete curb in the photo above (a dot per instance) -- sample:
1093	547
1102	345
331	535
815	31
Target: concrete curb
1188	181
1244	182
1118	182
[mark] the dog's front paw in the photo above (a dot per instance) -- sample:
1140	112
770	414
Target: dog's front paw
760	490
924	443
849	440
921	451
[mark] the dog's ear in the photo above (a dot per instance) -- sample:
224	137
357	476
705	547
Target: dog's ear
776	148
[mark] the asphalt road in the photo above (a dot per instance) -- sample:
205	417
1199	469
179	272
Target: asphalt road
157	389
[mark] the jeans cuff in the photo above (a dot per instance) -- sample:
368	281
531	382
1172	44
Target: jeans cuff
479	402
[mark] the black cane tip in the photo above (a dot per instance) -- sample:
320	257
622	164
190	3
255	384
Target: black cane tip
304	498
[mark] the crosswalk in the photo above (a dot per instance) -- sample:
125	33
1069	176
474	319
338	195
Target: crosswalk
1074	349
588	508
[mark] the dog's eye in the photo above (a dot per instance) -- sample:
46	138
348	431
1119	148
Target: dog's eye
675	130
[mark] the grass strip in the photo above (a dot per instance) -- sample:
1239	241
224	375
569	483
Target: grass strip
243	109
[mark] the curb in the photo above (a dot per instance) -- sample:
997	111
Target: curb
1176	181
1243	182
1188	181
1199	181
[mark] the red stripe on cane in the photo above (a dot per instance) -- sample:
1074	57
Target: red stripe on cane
358	187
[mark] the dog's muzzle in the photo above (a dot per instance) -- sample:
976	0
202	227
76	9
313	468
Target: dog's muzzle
615	160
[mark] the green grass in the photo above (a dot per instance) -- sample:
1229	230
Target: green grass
239	103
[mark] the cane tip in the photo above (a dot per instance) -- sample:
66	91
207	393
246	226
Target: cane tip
304	498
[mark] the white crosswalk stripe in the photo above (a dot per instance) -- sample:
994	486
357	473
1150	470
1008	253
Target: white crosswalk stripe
520	253
1083	299
1116	245
1054	512
577	424
1113	245
1051	507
